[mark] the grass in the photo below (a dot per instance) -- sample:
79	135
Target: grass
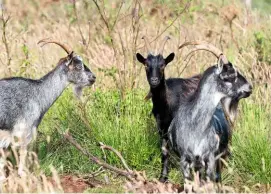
262	5
33	180
126	124
252	145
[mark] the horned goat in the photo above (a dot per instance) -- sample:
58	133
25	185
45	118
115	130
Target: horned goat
168	94
23	101
193	133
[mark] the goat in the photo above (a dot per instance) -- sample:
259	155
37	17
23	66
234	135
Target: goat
23	102
168	94
226	111
230	105
192	133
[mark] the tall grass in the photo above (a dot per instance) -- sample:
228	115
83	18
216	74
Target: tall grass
114	112
33	180
126	124
252	144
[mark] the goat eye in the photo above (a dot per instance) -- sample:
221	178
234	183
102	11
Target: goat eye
79	66
232	76
162	68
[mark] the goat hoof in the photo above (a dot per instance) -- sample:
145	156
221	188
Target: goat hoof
163	179
218	178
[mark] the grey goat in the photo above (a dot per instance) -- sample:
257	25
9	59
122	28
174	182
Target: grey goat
192	133
23	102
169	94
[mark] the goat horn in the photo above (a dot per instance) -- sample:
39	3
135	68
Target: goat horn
46	41
200	45
147	44
163	45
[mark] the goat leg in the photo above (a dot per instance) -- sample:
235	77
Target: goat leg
20	139
22	154
22	159
165	160
211	167
218	171
185	167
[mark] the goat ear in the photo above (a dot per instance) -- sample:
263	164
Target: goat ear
140	58
169	58
68	62
69	58
77	63
71	55
220	64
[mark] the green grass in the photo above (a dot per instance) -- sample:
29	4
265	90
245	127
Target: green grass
262	5
252	144
127	125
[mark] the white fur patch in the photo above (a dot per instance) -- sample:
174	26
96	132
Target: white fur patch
218	140
22	134
164	150
245	87
19	129
5	138
217	97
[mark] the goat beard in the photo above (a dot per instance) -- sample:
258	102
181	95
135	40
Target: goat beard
230	109
78	91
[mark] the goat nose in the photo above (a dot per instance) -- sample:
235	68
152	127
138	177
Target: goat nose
93	76
154	79
248	89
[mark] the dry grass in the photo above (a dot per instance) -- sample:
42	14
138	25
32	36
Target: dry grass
33	181
142	185
110	51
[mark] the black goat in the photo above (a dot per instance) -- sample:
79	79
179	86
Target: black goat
24	101
192	133
168	94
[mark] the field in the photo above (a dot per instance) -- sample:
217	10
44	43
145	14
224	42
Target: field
107	34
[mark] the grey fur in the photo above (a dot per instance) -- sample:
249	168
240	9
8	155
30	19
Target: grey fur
192	133
23	102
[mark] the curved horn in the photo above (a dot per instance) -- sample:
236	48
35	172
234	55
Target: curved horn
147	44
163	45
46	41
200	45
